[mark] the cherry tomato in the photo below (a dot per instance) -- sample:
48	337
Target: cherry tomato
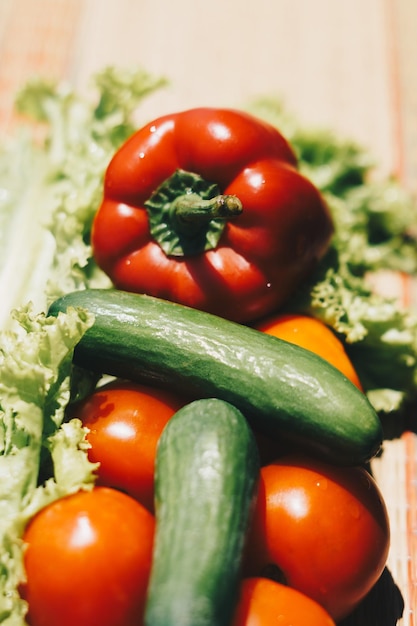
311	334
264	602
125	422
88	560
325	529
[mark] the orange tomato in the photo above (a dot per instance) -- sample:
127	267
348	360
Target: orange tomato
264	602
324	528
88	559
125	422
311	334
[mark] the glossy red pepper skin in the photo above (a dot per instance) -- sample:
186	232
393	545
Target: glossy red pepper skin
262	254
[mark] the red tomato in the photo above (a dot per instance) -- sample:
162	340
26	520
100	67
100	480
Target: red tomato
312	334
125	422
88	560
325	528
264	602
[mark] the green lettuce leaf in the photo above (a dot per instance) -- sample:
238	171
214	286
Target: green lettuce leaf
35	378
380	337
51	174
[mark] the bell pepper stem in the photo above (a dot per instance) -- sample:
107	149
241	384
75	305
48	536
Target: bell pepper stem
190	208
188	214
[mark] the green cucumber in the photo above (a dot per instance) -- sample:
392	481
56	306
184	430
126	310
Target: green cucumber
206	476
283	390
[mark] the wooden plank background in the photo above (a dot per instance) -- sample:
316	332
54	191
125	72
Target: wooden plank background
350	66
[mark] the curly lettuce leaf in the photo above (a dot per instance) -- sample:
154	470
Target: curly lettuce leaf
380	337
35	374
51	174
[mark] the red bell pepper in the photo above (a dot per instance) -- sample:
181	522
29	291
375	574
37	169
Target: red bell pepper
207	208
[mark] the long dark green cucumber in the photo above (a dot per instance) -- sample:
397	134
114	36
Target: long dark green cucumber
206	474
284	390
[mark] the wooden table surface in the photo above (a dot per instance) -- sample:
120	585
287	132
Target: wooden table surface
348	66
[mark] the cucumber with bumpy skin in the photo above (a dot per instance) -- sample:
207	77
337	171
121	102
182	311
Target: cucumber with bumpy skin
285	391
206	474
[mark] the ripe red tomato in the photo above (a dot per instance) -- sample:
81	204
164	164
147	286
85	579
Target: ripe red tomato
325	528
125	422
312	334
88	560
268	603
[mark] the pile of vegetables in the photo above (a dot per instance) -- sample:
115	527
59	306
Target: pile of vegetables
227	409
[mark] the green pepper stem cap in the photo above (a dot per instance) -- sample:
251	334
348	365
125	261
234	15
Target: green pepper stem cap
187	214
